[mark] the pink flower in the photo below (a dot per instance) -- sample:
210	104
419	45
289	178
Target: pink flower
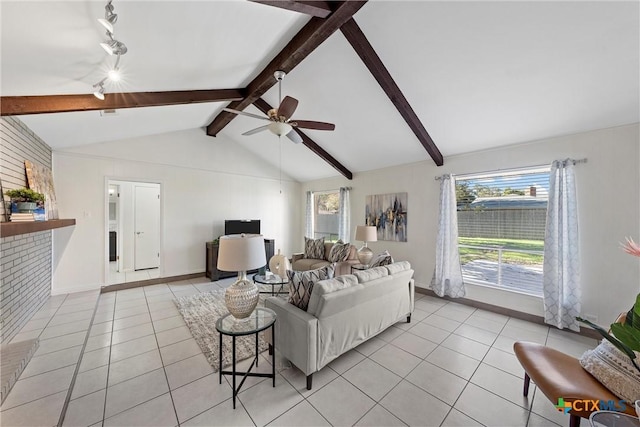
631	247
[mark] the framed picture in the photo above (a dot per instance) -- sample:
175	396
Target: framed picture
388	212
41	180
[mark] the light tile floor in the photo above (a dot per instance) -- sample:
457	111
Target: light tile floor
452	366
130	276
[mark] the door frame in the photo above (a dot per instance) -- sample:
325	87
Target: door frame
105	234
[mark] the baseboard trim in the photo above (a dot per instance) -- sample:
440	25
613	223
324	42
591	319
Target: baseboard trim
587	332
157	281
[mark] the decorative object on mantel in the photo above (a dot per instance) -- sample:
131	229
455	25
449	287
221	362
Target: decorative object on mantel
112	47
365	233
41	180
241	252
26	205
279	264
388	213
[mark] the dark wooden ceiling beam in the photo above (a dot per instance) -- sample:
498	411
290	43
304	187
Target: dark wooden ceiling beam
264	106
23	105
368	55
316	31
317	8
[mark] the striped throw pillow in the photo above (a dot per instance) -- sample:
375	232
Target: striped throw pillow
301	284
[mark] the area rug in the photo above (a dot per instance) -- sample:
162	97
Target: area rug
200	312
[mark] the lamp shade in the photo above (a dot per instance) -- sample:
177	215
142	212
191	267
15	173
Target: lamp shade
241	252
366	233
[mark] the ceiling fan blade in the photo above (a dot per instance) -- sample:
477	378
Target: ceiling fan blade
309	124
294	136
256	130
242	113
287	106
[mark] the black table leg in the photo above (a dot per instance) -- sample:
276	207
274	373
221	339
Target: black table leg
233	370
273	353
220	358
257	349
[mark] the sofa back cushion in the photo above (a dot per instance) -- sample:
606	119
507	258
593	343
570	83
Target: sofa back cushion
314	248
302	283
338	252
371	274
328	286
397	267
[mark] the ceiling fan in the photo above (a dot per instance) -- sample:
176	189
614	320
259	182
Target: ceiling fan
280	118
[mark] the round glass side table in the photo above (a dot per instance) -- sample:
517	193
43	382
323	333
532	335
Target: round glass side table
613	419
258	321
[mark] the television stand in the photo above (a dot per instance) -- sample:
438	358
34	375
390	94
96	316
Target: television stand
212	271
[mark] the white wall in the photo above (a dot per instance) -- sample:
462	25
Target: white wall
204	180
608	201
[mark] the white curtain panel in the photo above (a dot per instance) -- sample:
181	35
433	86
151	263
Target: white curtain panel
561	271
344	219
308	230
447	277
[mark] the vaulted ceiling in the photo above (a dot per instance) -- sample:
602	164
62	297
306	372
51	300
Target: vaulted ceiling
467	75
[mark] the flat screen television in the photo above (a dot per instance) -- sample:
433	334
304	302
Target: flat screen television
239	226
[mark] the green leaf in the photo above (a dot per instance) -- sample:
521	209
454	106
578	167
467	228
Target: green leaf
613	340
627	335
634	314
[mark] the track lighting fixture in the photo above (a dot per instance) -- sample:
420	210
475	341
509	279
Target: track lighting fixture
109	19
99	92
112	47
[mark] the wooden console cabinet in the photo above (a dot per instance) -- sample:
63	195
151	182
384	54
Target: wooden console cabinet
212	271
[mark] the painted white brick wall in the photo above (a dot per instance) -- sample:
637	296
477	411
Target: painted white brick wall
25	260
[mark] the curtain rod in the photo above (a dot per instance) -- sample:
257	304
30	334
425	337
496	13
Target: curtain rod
330	191
575	162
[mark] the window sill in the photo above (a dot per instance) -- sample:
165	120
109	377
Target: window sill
501	288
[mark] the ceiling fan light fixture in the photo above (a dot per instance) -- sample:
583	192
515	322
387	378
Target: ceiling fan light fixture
280	128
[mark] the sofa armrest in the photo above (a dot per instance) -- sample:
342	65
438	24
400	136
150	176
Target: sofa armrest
296	257
296	334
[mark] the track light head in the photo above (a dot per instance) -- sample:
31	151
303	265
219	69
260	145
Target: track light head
99	92
114	47
108	21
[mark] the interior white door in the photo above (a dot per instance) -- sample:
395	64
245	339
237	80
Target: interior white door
147	227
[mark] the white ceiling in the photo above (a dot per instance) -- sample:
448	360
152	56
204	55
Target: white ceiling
478	74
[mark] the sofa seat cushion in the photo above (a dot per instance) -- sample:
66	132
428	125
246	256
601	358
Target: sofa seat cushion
302	283
305	264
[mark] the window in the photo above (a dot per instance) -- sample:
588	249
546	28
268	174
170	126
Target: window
326	217
501	225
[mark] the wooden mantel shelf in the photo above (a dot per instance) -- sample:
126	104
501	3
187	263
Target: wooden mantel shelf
8	229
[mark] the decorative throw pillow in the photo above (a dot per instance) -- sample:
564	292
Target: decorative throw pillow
614	370
314	249
382	259
339	252
301	284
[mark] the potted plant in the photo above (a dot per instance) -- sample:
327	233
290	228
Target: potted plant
26	200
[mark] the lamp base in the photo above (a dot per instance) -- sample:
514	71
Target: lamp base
241	298
365	255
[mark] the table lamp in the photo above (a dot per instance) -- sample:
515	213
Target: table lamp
366	233
241	252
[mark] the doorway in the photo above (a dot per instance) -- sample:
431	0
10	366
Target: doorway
133	230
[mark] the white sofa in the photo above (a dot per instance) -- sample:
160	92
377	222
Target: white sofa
343	312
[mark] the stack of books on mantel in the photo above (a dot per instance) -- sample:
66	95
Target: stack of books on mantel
22	217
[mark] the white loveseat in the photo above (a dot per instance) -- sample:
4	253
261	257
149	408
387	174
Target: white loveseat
343	312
